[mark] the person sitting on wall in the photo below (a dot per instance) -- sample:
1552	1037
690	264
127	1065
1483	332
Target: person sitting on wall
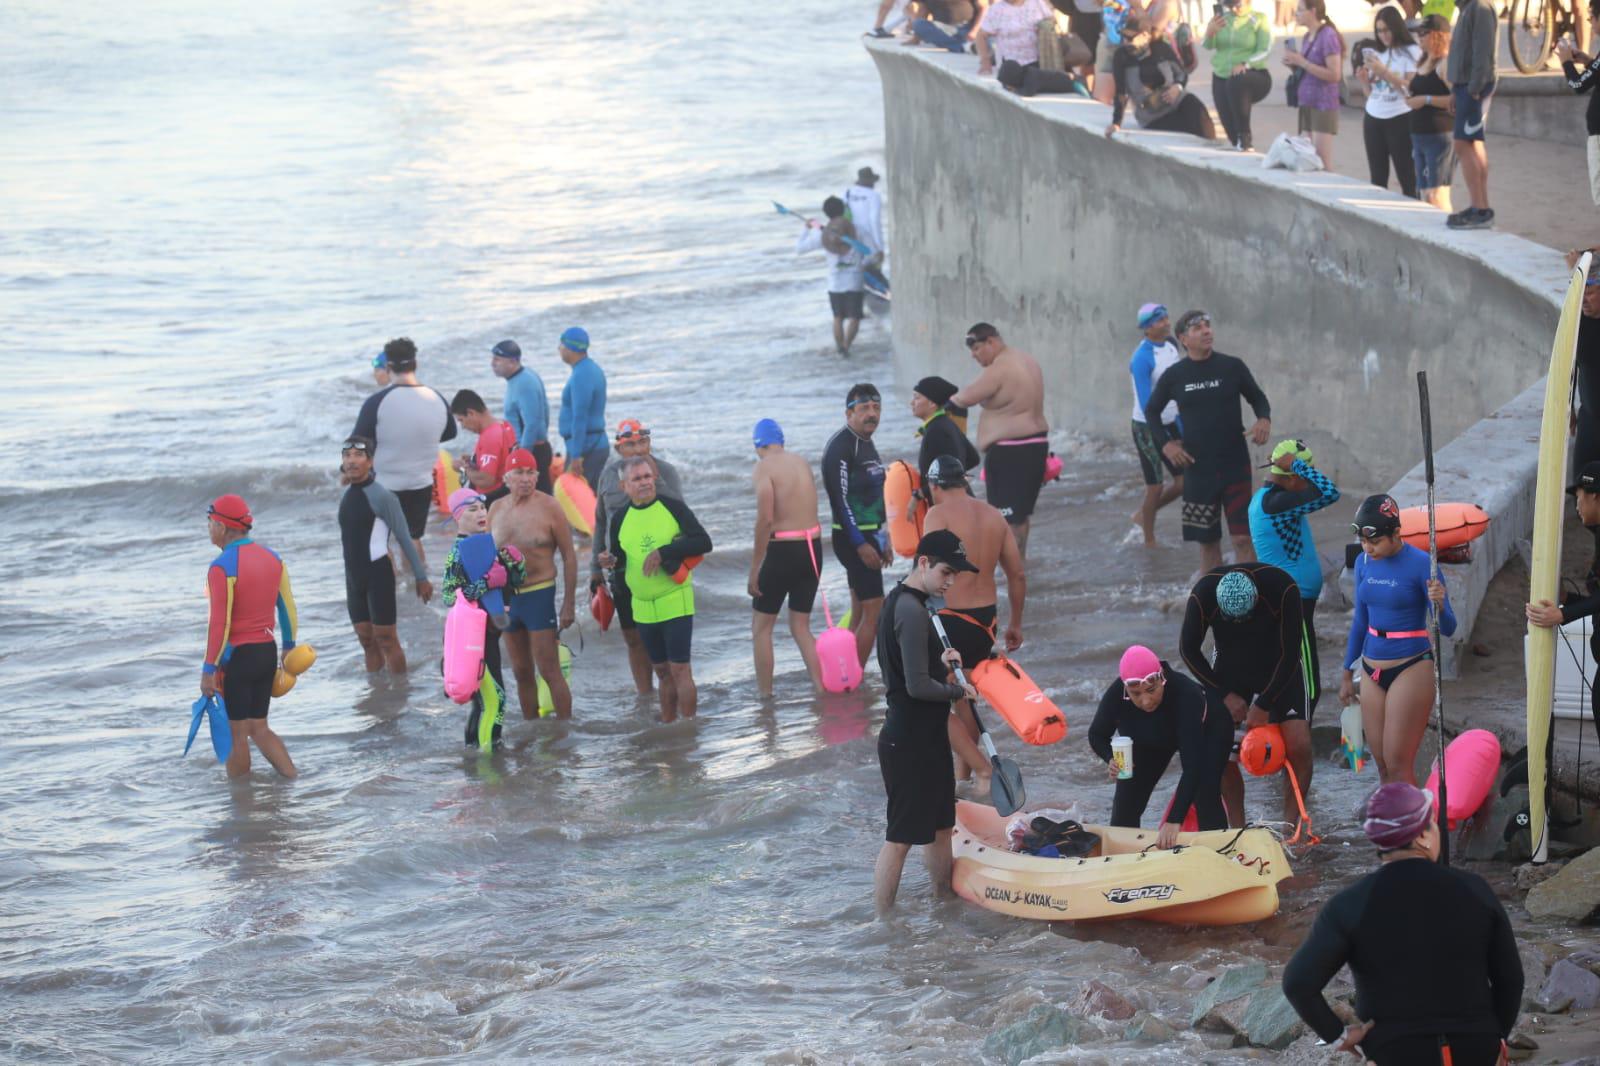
1147	70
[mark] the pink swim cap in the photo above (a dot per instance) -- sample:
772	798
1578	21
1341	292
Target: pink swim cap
1138	663
461	499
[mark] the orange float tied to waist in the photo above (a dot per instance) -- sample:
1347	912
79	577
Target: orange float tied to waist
1032	714
904	508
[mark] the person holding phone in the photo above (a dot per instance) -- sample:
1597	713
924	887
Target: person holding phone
1386	125
1238	40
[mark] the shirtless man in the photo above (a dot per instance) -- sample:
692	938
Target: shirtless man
787	559
535	523
970	614
1013	434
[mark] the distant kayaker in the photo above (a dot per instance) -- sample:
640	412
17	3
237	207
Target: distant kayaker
914	743
1586	493
1438	978
786	557
1164	714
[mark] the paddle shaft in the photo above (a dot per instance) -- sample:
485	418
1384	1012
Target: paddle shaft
961	678
1433	613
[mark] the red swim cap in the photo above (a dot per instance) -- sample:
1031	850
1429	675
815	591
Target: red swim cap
1262	750
231	511
521	459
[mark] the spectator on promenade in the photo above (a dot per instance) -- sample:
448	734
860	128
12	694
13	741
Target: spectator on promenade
1114	14
1320	56
1010	30
1154	355
1386	126
527	406
1147	70
944	24
1583	81
884	24
837	240
1238	40
1473	46
1433	156
865	207
1208	386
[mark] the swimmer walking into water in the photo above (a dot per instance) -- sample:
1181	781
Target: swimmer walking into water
786	560
1013	434
852	476
533	523
368	513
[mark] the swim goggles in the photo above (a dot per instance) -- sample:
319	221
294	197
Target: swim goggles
864	399
1369	532
1133	686
353	445
634	434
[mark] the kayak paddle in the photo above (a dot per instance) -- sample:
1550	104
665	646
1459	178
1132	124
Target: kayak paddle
1005	779
857	246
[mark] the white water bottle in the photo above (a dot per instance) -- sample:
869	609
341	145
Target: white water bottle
1122	756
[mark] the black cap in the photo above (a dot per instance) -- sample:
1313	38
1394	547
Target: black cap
507	349
947	472
936	389
1588	479
1429	24
358	443
943	546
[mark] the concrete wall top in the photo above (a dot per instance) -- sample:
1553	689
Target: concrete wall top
1021	212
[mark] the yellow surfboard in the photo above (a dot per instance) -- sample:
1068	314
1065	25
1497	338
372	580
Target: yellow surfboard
1549	509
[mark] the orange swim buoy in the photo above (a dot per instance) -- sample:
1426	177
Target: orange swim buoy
1262	751
1024	706
446	479
577	502
904	507
1454	524
601	607
682	573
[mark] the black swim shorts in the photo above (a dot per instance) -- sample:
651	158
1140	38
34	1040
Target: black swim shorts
788	572
622	600
921	787
669	641
971	631
247	680
846	304
1209	497
415	503
1012	475
865	582
369	592
1151	459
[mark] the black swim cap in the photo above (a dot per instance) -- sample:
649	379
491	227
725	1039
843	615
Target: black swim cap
1378	512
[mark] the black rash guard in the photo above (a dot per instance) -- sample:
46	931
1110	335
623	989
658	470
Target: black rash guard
1208	394
1582	81
1184	722
1431	951
362	509
941	436
914	676
1260	654
852	474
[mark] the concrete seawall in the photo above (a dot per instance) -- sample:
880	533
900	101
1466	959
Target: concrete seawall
1022	213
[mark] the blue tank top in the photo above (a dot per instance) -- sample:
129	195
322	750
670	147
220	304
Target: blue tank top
1392	597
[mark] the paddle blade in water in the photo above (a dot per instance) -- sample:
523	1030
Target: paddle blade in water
1005	786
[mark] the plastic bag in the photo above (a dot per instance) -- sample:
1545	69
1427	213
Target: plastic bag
1019	826
1289	152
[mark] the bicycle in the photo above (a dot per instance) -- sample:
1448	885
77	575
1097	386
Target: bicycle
1534	27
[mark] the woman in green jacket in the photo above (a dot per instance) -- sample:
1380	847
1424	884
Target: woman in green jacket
1238	40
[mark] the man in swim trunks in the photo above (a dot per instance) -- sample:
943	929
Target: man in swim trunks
583	408
1586	497
1280	528
527	406
632	439
1212	452
971	611
1013	434
245	585
914	743
485	471
652	541
940	434
1151	358
852	476
534	522
786	560
407	421
367	514
1253	613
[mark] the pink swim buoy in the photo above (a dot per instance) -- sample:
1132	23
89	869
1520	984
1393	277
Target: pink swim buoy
1471	763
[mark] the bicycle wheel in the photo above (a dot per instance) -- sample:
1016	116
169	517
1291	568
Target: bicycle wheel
1532	27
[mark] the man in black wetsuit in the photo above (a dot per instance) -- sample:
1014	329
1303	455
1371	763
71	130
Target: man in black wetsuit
1212	452
1587	447
1253	613
1438	978
940	434
1164	714
914	743
1586	493
852	476
368	513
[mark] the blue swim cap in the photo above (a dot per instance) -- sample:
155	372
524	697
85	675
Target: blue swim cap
1236	594
380	361
767	432
575	339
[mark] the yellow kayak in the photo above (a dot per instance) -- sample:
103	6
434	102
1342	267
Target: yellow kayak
1222	877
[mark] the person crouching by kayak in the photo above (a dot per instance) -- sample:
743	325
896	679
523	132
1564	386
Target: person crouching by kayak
914	743
652	540
1438	978
1586	494
1164	713
470	510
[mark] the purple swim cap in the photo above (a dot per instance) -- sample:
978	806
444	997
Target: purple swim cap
1397	813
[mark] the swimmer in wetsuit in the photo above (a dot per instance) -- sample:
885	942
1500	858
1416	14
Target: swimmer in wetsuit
786	560
1586	497
368	513
535	525
852	476
940	433
245	585
484	721
1013	434
1389	640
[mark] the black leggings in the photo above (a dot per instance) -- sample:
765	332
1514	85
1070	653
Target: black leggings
1190	116
491	662
1235	97
1310	661
1386	139
1150	762
1466	1049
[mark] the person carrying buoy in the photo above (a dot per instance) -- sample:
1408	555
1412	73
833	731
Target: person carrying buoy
1280	528
1389	639
651	539
471	515
971	612
939	432
1163	713
247	587
1586	497
535	525
1252	611
1437	974
914	743
786	559
1013	434
852	476
632	438
368	513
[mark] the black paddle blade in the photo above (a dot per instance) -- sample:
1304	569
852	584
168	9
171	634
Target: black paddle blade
1005	786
